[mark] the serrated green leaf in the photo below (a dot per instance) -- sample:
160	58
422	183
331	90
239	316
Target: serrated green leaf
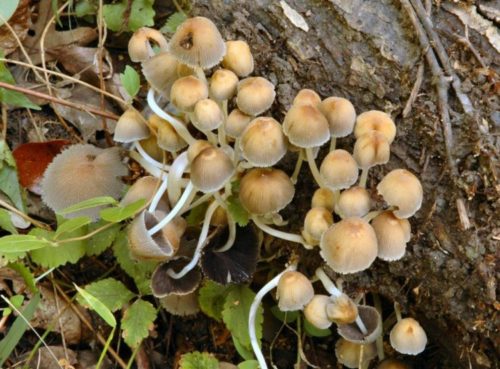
237	211
245	352
6	222
312	331
102	240
22	242
98	307
141	14
211	298
9	183
120	213
284	316
86	7
130	81
71	225
25	272
173	22
197	214
10	97
236	311
137	321
7	8
90	203
249	364
112	293
198	360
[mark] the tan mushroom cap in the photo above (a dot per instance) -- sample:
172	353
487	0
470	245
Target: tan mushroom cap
139	47
339	170
223	84
207	115
307	96
315	312
262	142
82	172
392	235
316	222
211	169
198	43
375	120
408	337
305	126
130	127
353	202
264	191
294	291
340	114
348	353
349	246
161	72
184	70
186	92
167	137
238	58
181	305
144	188
402	189
341	310
371	149
323	198
236	123
372	321
255	95
150	146
196	147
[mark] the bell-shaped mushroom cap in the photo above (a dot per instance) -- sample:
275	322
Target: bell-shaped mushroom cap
167	137
305	126
323	198
402	189
139	48
161	72
349	353
144	188
211	169
255	95
408	337
238	58
264	191
339	170
372	321
294	291
207	115
371	149
223	84
340	114
186	92
316	222
315	312
392	235
393	364
150	146
162	284
353	202
263	143
307	96
79	173
160	246
196	148
198	43
375	120
130	127
341	310
349	246
236	123
181	305
236	265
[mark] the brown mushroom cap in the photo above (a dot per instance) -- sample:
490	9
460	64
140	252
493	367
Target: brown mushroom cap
161	72
162	284
294	291
139	47
255	95
341	310
316	222
349	246
315	312
353	202
198	43
236	123
340	114
323	198
375	120
392	235
339	170
181	305
167	137
408	337
372	321
186	92
211	169
223	84
371	149
238	58
264	191
305	126
144	188
348	353
207	115
263	143
402	189
196	147
307	96
130	127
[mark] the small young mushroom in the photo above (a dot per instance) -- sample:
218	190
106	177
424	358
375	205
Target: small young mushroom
393	234
238	58
181	305
375	120
315	311
161	72
144	188
372	322
353	355
130	127
307	96
402	189
186	92
223	84
206	117
316	222
139	47
236	123
408	337
323	198
342	310
353	202
370	149
167	137
255	95
211	169
341	117
339	170
294	291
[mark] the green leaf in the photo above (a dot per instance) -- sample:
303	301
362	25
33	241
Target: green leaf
20	243
174	21
17	301
284	316
112	293
130	81
244	351
90	203
9	182
25	272
10	97
6	222
312	331
120	213
236	311
137	321
237	211
86	7
249	364
211	299
71	225
197	214
102	240
141	14
198	360
98	307
7	8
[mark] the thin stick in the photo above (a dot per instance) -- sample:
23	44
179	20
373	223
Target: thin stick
414	91
24	216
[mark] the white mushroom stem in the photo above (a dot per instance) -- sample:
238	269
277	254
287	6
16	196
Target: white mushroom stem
221	131
199	247
176	123
236	152
314	167
273	283
177	169
333	143
298	166
200	74
148	158
231	224
335	292
279	234
397	311
363	178
151	169
158	195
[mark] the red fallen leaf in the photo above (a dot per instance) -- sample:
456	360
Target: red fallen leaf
33	158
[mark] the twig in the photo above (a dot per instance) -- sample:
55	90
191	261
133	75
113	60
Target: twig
414	90
465	41
39	224
41	95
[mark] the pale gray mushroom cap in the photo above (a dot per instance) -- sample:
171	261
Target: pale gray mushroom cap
255	95
348	353
408	337
130	127
340	114
294	291
82	172
305	126
181	305
211	169
339	170
392	235
402	189
315	312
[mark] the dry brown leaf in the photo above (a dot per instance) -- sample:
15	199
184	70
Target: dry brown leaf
20	23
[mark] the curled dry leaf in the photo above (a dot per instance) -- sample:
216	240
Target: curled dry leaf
20	23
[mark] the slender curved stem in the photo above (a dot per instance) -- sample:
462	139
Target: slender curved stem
232	235
151	169
314	167
298	166
333	143
148	158
175	175
158	195
279	234
397	311
200	74
363	178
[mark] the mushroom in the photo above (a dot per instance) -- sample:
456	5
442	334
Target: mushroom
392	235
181	305
354	355
162	284
315	312
130	127
338	170
206	117
161	72
353	202
371	321
375	120
307	97
167	138
401	189
186	92
408	337
294	291
341	117
255	95
370	149
144	188
139	47
316	222
223	84
238	58
235	124
323	198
